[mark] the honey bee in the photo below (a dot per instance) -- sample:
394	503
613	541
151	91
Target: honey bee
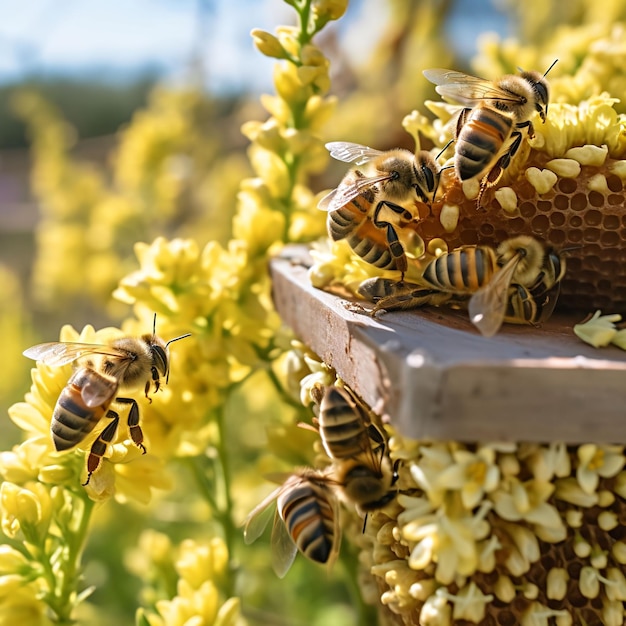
461	271
306	519
488	131
534	304
125	362
344	427
366	209
361	466
523	262
393	295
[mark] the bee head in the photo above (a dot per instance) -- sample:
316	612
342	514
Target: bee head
539	85
160	354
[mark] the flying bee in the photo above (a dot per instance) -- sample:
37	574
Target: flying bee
125	362
489	129
523	261
306	519
366	209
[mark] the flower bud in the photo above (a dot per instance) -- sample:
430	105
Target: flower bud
268	45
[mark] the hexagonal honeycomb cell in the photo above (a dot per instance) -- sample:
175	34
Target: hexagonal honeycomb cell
583	217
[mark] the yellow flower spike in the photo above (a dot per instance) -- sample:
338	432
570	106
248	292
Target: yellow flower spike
229	614
199	562
12	497
267	44
329	9
12	561
318	111
265	134
23	607
288	37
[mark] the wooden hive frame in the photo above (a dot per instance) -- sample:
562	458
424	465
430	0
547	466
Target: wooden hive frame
434	377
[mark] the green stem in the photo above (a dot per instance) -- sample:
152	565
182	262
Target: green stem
63	588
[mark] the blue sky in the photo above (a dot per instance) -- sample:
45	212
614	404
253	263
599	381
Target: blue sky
117	37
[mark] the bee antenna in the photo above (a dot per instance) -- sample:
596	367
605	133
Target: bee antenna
444	148
177	338
154	325
553	64
167	374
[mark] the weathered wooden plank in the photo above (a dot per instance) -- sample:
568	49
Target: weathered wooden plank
433	376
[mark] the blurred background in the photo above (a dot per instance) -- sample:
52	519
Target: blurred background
120	122
133	110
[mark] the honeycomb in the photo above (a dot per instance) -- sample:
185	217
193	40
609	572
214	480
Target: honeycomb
587	545
584	216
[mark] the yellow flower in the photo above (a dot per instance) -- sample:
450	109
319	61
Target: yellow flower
516	500
469	603
199	562
597	462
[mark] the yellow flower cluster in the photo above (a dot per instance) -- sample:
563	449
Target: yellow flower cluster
199	568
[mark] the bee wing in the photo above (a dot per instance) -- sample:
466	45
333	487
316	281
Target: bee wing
351	152
99	391
346	192
487	305
59	353
284	549
466	89
257	519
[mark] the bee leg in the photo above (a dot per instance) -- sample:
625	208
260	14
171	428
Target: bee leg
136	434
99	446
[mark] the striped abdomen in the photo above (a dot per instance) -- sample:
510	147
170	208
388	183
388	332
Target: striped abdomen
376	245
462	271
479	141
305	508
74	418
343	426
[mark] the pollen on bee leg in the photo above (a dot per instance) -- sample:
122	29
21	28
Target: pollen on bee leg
541	180
507	199
449	217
